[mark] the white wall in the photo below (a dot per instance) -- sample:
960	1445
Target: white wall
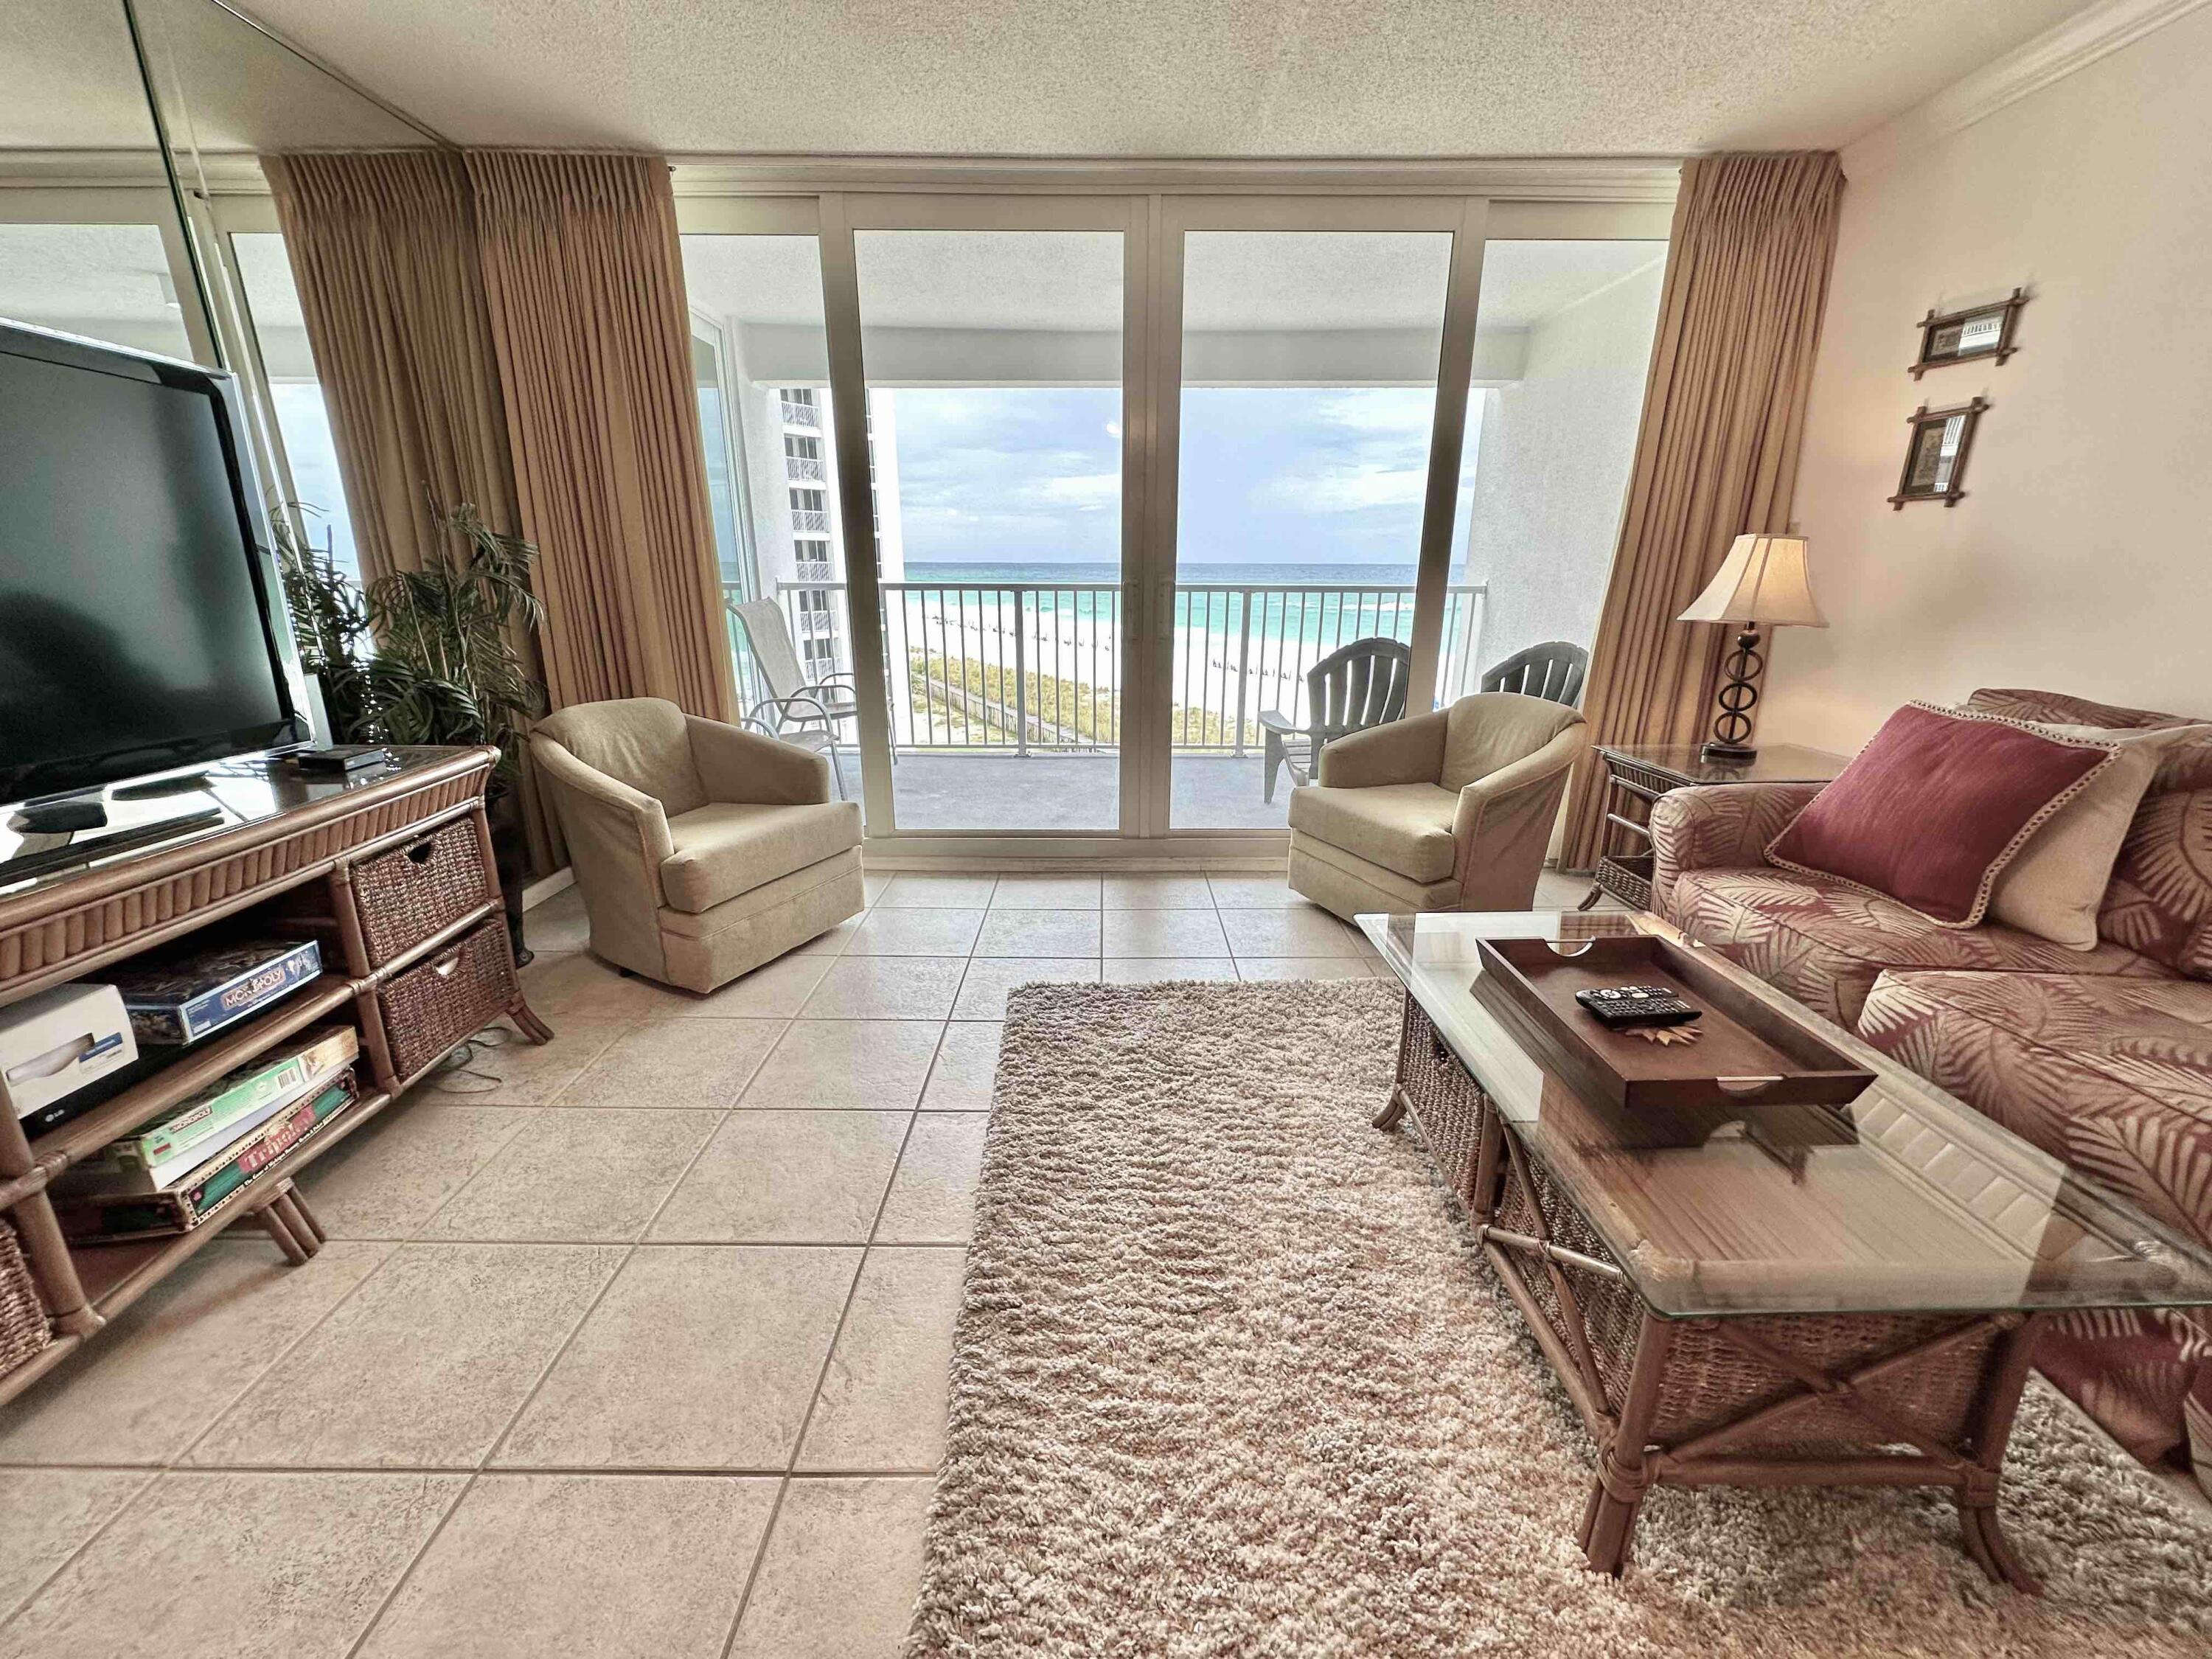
2080	559
1556	450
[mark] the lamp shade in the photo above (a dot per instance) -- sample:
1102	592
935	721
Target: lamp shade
1764	579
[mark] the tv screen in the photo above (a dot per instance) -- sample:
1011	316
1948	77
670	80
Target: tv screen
134	629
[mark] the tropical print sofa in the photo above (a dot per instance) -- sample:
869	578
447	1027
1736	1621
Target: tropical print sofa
2102	1058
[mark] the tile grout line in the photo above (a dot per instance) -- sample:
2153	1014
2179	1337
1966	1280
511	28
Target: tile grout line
153	1478
629	1253
177	1462
822	1375
483	1462
174	1463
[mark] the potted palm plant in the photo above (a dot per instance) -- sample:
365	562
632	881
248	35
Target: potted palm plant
428	656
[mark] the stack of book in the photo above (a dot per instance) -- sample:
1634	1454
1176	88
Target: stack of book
167	1177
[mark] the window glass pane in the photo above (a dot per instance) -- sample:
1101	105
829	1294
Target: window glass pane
295	394
771	472
109	282
1309	390
715	439
993	364
1562	346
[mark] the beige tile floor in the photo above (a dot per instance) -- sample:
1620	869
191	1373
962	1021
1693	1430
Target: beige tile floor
633	1344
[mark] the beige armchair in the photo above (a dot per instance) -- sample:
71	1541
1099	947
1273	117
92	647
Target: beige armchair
1451	810
703	850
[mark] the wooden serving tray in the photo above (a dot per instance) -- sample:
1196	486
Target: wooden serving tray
1749	1054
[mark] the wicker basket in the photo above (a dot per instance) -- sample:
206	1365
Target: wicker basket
405	896
1627	877
24	1332
1447	1102
1710	1381
433	1005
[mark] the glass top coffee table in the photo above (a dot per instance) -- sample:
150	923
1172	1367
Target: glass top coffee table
1760	1295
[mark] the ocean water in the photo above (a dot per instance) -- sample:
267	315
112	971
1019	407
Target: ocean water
1069	613
1242	574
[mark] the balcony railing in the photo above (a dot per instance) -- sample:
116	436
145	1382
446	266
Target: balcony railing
805	469
1026	666
805	521
806	415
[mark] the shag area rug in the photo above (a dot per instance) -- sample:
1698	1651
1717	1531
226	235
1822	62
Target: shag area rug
1229	1381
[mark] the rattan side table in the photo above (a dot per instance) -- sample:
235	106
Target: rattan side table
1636	774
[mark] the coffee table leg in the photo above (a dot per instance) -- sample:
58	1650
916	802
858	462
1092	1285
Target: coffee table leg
1393	1109
1623	1471
1980	1532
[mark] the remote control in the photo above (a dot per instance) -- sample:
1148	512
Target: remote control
1621	1007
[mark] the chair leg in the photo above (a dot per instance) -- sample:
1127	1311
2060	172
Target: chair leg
1271	764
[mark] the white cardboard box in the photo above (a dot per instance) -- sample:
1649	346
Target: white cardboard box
55	1041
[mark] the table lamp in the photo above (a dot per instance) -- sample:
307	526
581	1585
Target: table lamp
1764	580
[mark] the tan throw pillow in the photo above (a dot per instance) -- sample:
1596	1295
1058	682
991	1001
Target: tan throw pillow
2055	884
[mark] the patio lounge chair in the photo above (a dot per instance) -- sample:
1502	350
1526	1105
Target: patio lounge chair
807	713
1553	671
1354	687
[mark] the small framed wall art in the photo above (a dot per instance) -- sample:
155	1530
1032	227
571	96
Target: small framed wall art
1935	455
1966	336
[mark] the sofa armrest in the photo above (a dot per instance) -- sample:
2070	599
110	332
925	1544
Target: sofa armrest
617	836
740	765
1410	751
1725	826
1502	825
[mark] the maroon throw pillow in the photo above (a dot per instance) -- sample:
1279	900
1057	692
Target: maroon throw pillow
1935	806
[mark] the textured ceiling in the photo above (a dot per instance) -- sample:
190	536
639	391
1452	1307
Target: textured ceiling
1161	77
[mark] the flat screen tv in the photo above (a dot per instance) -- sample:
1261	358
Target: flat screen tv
137	623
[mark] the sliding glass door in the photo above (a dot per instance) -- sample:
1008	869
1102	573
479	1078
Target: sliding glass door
994	363
992	338
1309	338
1057	502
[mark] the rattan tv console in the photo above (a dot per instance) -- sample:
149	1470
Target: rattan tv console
395	878
1760	1296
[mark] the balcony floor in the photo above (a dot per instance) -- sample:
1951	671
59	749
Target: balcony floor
1066	791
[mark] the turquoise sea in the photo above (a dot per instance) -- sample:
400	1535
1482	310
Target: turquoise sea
1242	574
1320	620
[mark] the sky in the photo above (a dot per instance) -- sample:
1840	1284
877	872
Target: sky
1269	475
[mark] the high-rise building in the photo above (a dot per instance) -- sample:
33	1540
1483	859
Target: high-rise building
772	482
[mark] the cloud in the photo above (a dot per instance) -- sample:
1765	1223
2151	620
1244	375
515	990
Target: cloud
1087	492
1407	411
1356	489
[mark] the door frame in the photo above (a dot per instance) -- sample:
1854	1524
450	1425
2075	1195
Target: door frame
843	216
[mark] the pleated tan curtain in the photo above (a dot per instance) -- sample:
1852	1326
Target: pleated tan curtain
383	250
584	283
1716	455
384	253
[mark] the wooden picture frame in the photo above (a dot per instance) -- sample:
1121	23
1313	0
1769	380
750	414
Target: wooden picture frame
1971	335
1935	453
